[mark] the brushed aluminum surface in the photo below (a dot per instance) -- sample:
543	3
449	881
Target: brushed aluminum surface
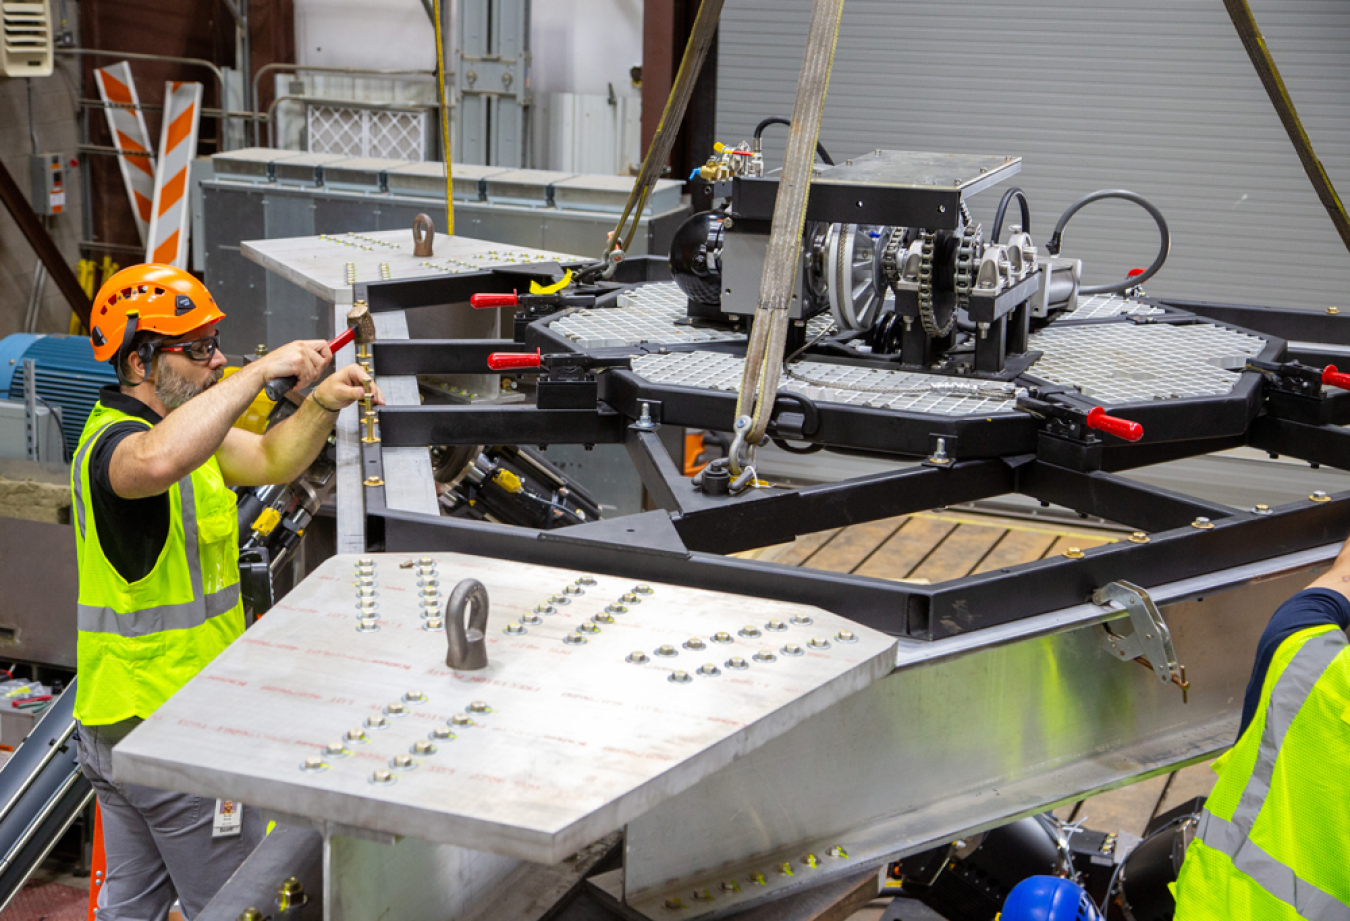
576	741
319	264
967	733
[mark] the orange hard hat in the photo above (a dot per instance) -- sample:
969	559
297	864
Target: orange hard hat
152	298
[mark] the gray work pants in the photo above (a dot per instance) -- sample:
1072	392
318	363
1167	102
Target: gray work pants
158	844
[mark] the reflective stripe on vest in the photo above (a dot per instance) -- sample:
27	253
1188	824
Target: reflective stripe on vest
194	613
1232	837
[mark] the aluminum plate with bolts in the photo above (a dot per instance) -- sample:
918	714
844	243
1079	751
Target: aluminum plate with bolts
576	741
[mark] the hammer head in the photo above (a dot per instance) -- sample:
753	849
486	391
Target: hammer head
360	319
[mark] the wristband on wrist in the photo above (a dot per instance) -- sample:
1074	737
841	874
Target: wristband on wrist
331	409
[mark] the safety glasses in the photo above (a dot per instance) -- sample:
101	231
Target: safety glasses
196	349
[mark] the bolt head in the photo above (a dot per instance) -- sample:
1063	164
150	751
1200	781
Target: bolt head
586	580
396	709
377	722
313	763
737	663
709	669
802	620
478	706
694	642
630	598
750	630
355	735
442	734
666	650
559	600
382	776
765	655
513	629
574	639
531	619
818	642
721	636
459	719
775	625
642	589
637	657
792	649
335	749
433	623
544	609
615	609
846	636
680	677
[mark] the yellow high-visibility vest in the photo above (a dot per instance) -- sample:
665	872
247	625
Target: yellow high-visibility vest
1273	841
141	641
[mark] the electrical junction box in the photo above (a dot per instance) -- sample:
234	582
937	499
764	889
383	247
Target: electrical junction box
49	183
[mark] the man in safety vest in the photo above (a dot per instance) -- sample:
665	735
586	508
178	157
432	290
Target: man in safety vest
1273	841
158	545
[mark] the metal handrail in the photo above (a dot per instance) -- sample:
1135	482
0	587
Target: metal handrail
200	62
206	112
314	68
270	117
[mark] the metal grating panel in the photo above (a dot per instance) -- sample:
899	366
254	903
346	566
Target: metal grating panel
359	132
1105	306
1125	363
645	314
1156	96
828	383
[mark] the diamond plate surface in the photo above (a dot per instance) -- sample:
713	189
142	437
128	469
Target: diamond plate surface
1124	363
829	383
1105	306
645	314
563	737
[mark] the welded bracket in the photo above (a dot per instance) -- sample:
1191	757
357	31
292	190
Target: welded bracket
1150	643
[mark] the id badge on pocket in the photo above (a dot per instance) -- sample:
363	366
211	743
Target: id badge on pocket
228	820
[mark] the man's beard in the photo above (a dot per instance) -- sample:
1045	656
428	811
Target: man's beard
173	389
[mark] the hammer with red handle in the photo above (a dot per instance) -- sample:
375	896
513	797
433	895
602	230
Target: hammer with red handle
360	327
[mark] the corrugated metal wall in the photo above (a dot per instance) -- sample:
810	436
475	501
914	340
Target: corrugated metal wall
1156	96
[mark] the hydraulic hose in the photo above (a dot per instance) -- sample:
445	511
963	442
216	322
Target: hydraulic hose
1117	287
780	120
1003	210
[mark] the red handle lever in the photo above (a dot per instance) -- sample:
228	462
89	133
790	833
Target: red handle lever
506	361
1121	428
492	300
344	337
1335	378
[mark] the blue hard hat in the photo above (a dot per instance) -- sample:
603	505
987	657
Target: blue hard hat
1049	898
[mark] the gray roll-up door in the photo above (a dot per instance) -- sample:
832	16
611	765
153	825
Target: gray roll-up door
1155	96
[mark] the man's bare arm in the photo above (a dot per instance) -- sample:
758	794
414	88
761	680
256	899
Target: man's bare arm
1338	577
281	455
148	463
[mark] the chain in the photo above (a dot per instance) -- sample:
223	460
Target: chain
971	236
890	258
927	316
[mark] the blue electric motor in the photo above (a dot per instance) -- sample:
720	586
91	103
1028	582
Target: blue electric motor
1048	898
68	377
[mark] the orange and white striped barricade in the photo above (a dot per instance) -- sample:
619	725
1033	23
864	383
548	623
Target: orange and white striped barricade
126	124
168	241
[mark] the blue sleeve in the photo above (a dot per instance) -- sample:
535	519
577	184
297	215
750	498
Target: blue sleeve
1312	607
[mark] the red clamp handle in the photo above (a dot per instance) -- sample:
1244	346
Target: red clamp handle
492	300
507	361
1111	425
1335	378
1135	273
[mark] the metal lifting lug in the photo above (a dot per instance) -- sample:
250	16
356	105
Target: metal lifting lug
467	645
1150	643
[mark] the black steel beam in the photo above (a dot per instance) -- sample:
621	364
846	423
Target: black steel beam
44	246
1281	322
1114	498
1005	595
776	515
1317	444
438	356
419	426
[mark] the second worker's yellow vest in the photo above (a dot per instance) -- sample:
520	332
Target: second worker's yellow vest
1273	841
141	641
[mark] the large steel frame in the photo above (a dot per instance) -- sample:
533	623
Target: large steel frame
685	539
